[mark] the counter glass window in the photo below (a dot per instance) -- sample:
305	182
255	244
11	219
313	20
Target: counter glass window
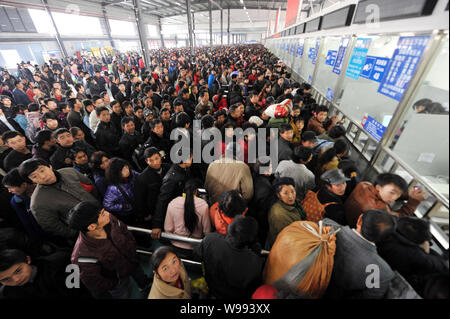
308	61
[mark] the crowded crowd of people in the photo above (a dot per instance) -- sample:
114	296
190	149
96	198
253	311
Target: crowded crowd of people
87	149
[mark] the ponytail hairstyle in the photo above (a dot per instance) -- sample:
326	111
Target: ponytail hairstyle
190	215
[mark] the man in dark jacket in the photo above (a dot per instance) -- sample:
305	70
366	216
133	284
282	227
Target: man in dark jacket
105	251
45	145
105	134
172	187
148	184
330	195
358	271
57	192
233	265
20	152
252	108
285	151
20	97
62	157
157	139
75	119
130	140
41	278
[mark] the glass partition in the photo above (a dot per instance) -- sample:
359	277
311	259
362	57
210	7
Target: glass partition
308	61
297	62
329	62
427	126
359	97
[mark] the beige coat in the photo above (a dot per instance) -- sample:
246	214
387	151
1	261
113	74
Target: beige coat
227	174
162	290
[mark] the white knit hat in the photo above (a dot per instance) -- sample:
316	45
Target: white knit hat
256	120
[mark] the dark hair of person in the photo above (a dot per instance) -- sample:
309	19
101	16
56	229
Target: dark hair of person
11	257
13	178
301	154
33	107
337	131
243	231
114	170
29	166
377	225
49	115
60	131
101	109
321	108
207	121
231	203
285	127
190	214
125	120
348	167
159	255
389	178
84	214
339	147
182	119
96	161
74	131
9	135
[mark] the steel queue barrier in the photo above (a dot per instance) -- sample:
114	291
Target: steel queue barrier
175	237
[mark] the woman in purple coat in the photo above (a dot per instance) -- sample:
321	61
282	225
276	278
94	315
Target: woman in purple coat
119	196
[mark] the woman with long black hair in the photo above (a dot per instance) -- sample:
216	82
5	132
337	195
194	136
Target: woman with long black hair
188	215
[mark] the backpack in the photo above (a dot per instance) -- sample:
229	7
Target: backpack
302	259
313	207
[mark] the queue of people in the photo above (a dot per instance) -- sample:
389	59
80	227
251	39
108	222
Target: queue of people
87	149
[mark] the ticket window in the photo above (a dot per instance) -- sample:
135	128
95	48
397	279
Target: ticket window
359	96
308	61
329	65
422	141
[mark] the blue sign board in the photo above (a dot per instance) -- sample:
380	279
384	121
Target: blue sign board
316	51
309	79
358	58
374	68
331	57
330	94
300	48
402	66
293	48
374	128
311	53
340	55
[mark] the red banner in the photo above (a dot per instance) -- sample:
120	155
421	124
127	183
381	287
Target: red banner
292	12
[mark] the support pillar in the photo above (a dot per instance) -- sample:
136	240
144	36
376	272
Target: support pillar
228	28
221	23
190	32
58	36
160	33
108	27
210	24
142	32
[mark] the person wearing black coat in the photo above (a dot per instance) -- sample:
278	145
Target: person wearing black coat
75	119
159	141
58	159
130	140
172	186
263	198
408	251
106	136
233	265
148	185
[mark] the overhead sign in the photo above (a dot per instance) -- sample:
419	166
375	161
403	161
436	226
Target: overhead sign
292	12
340	55
358	58
402	66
